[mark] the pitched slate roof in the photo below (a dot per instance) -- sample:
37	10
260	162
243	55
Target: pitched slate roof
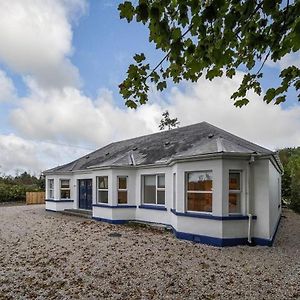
162	147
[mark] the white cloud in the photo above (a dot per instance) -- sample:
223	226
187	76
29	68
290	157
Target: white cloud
36	39
290	59
7	89
18	155
68	115
266	124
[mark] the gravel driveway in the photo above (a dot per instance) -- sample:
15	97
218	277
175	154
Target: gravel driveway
45	255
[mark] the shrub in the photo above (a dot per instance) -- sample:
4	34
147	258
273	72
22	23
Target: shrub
14	192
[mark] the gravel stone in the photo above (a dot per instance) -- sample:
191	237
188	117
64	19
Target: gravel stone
46	255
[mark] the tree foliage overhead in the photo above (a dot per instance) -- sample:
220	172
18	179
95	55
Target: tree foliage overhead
168	122
213	38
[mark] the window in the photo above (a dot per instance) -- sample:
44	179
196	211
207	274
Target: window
174	191
122	190
199	191
234	192
154	189
65	189
103	189
51	188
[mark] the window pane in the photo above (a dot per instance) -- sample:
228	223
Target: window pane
122	197
200	181
51	183
234	203
199	202
234	181
160	197
65	194
103	182
149	189
51	194
150	180
161	181
103	196
123	183
65	183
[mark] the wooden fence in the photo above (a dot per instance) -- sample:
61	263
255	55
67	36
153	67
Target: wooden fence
35	197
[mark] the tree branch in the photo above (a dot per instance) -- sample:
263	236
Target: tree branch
168	53
262	65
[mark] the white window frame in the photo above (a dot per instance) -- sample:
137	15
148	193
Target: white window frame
174	177
64	189
198	192
235	191
122	190
157	189
50	189
102	190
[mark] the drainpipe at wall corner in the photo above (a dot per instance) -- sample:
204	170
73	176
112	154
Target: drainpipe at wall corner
251	161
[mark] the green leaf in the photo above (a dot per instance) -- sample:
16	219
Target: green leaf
280	99
139	57
242	102
269	6
270	94
131	104
161	85
142	12
126	11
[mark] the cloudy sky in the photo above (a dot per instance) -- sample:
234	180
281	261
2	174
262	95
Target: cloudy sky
60	65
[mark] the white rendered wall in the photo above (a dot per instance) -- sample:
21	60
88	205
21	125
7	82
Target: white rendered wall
263	195
157	216
58	206
260	198
275	197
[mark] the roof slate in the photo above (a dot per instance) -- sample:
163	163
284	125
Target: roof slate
198	139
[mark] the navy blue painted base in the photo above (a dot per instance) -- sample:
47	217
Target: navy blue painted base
60	201
110	221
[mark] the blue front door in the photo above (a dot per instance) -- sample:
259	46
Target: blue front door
85	193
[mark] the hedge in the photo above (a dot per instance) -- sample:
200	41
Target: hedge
15	192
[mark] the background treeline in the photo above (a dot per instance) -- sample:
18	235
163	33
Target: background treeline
290	158
14	188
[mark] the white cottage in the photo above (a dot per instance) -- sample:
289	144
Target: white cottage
209	185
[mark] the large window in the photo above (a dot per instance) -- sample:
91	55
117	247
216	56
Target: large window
65	189
199	191
51	188
234	192
102	189
122	190
154	189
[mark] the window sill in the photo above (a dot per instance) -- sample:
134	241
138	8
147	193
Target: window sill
154	207
201	215
114	206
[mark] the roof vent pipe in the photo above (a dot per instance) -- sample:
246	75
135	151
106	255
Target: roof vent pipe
131	159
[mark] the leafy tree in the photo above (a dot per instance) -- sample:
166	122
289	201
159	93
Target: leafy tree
290	158
212	38
167	122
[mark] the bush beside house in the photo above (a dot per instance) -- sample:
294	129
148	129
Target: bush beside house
14	188
290	158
